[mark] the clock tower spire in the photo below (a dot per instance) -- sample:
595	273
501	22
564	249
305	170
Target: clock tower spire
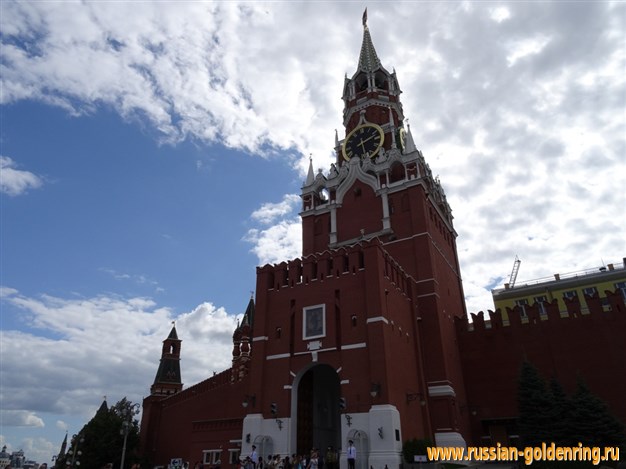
371	101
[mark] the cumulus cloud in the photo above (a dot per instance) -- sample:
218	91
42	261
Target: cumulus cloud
15	181
38	449
279	242
114	334
269	212
61	425
21	418
189	72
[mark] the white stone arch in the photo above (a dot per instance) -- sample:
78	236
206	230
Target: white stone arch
264	446
361	443
355	172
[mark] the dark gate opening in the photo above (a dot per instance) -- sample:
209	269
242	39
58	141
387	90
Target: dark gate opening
319	424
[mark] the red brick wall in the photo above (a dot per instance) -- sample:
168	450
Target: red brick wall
590	346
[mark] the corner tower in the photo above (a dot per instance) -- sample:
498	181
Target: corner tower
381	189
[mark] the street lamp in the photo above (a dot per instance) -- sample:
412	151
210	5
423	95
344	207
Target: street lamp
75	452
126	425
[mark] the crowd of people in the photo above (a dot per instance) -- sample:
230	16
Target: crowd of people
315	459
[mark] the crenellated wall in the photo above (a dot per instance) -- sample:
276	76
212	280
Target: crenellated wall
567	346
185	424
331	264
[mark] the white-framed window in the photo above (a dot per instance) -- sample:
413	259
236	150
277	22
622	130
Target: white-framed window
621	286
591	291
314	322
233	455
522	304
541	303
211	456
570	294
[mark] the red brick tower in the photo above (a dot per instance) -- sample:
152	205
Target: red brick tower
168	380
356	339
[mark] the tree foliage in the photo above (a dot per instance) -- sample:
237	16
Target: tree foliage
548	414
101	440
415	447
535	404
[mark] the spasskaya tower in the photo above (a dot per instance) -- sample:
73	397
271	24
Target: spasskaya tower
380	189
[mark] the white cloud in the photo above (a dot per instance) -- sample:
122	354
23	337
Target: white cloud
61	425
111	335
500	14
280	242
21	418
7	291
15	181
189	71
38	449
269	212
526	47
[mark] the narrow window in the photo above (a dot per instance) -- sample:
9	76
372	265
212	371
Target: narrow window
522	305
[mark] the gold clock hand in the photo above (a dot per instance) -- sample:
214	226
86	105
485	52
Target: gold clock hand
362	142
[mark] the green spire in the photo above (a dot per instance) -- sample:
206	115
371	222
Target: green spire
368	60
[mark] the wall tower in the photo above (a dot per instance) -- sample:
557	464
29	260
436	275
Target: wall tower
168	379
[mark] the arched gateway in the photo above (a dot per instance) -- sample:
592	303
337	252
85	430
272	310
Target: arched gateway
316	409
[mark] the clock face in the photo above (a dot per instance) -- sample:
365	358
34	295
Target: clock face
364	140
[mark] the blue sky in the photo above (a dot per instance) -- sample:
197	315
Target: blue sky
152	157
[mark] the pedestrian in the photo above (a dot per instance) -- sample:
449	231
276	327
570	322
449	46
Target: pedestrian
331	458
254	457
351	453
314	461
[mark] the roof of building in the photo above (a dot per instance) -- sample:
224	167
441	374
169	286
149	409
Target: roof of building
583	277
173	334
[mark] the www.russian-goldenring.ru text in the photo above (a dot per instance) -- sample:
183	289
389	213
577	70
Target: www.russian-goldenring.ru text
530	454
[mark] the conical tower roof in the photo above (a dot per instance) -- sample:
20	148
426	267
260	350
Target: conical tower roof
104	408
368	59
63	447
248	317
173	334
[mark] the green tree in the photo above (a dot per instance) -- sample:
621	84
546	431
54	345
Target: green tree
549	415
561	415
415	447
535	405
593	423
101	440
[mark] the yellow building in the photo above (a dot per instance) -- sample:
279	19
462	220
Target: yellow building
582	284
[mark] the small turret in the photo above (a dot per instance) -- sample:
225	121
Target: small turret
242	344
